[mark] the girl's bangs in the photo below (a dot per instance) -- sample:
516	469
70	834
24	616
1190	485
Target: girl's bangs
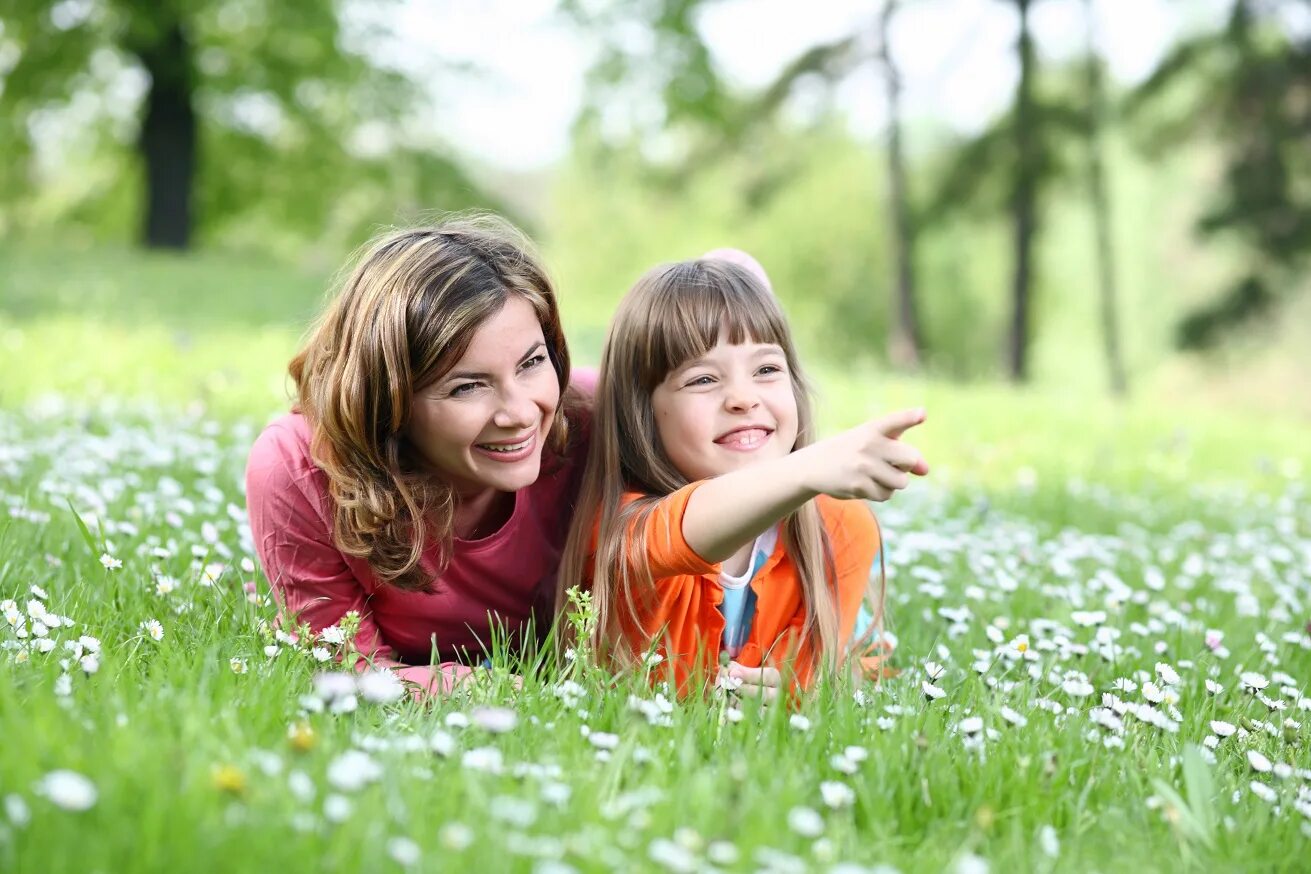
699	302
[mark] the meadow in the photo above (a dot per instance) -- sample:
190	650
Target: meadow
1103	616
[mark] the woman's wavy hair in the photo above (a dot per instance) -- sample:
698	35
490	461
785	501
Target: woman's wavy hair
405	314
672	315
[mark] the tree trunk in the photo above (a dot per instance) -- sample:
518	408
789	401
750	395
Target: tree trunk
1100	197
1023	203
167	142
904	341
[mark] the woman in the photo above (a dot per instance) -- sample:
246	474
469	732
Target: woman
426	476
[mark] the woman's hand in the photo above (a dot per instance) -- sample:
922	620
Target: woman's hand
869	461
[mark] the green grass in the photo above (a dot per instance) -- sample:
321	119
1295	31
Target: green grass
1174	519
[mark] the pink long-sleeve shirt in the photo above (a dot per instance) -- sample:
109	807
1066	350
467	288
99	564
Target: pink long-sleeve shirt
499	581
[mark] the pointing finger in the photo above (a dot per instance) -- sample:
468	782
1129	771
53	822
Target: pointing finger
893	425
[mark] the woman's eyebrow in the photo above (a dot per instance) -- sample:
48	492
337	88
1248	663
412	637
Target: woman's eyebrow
470	374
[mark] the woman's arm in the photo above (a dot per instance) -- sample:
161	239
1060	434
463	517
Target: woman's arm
309	575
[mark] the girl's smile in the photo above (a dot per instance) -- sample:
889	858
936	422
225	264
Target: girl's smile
747	438
730	408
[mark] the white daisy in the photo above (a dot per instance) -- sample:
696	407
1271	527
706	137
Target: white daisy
352	770
380	686
806	822
404	851
1167	674
68	789
337	808
1015	718
333	635
1223	729
1264	792
497	720
603	740
455	836
836	794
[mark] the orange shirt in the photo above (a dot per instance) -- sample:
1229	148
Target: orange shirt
687	594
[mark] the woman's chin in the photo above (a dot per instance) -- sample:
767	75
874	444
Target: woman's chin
511	477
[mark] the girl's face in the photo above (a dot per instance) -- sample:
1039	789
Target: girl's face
482	425
729	409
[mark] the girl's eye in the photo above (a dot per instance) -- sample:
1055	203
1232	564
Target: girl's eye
769	370
701	380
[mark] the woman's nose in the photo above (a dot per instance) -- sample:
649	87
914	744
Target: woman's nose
516	410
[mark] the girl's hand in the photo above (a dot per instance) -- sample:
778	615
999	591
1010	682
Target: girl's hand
869	461
762	683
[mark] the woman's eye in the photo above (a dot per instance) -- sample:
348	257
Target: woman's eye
535	361
464	388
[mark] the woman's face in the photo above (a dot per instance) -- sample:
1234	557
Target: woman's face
482	425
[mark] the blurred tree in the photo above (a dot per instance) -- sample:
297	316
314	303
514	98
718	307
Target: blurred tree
1011	165
904	339
1247	89
1024	196
1099	195
656	47
258	117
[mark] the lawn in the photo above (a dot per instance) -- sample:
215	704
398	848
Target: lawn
1102	613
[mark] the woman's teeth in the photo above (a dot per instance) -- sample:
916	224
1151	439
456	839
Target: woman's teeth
515	447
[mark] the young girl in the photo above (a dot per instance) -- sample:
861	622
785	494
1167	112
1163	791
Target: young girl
719	525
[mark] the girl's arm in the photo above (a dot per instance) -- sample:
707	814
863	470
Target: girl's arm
869	461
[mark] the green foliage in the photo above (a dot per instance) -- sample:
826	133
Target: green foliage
302	136
1243	88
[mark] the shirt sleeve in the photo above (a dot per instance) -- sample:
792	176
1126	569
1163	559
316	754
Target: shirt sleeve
585	379
309	575
668	553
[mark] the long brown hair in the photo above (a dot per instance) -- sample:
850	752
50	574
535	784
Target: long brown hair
404	316
675	313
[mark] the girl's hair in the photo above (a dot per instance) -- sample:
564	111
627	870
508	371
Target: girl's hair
674	314
404	316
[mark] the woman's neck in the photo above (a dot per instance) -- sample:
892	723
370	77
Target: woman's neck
482	514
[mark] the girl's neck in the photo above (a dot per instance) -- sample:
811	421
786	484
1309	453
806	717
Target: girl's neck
482	514
736	564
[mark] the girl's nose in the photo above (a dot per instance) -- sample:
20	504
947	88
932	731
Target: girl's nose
740	398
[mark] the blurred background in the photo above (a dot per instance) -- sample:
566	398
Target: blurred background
1068	213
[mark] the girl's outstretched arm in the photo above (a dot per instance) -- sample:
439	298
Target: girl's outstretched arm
868	461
